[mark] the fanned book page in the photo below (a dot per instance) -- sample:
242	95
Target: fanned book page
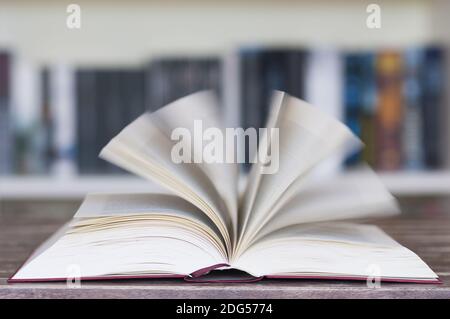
289	211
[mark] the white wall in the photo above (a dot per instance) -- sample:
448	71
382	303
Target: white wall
127	32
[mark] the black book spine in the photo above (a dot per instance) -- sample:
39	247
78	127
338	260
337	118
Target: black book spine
86	96
432	81
170	79
5	126
47	121
114	113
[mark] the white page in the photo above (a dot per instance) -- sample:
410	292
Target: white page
113	204
144	148
203	106
332	249
307	137
359	194
149	248
254	178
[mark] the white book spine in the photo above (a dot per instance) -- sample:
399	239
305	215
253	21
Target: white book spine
323	89
25	114
62	101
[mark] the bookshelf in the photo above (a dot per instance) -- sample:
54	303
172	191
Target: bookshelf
75	188
155	28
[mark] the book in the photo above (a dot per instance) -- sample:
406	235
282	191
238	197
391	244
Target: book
263	70
6	148
107	99
323	89
63	114
353	99
26	118
433	101
286	224
47	122
413	153
389	111
360	98
369	109
170	78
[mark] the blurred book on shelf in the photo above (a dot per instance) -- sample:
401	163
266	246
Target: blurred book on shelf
263	70
169	79
394	101
55	118
389	112
106	100
5	105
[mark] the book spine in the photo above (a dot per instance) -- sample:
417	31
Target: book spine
173	78
353	97
86	97
5	116
112	112
103	109
26	114
413	127
251	67
432	79
296	70
133	89
46	121
389	111
231	86
251	98
324	89
368	108
65	118
265	70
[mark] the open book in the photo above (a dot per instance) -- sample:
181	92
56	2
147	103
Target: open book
290	221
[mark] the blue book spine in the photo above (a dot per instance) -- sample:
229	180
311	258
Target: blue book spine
353	99
412	127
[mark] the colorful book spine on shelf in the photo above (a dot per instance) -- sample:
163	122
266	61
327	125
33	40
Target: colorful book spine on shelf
389	111
433	83
353	98
413	154
368	108
360	98
6	151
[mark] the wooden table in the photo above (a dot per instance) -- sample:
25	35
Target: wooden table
424	228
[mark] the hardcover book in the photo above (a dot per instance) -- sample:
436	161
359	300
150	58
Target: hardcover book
287	223
389	111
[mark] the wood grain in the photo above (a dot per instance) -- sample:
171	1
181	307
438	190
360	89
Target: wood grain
424	227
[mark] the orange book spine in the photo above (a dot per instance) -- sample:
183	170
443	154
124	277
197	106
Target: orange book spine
389	111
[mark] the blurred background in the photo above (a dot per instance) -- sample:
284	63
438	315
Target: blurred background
65	92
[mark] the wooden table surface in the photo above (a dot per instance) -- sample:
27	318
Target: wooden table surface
424	228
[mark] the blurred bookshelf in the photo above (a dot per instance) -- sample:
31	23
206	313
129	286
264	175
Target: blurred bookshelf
65	95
